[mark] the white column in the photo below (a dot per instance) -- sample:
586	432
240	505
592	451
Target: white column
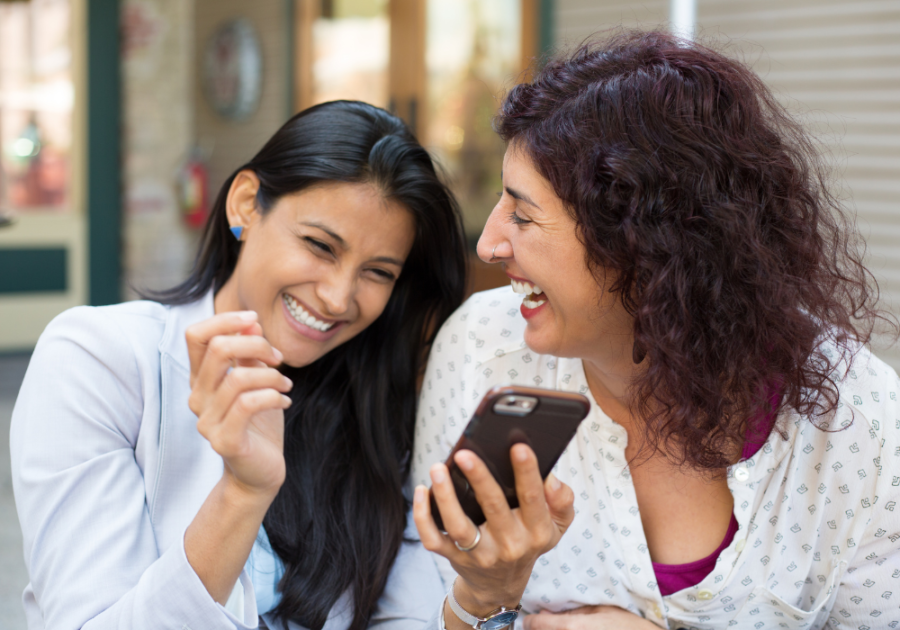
683	15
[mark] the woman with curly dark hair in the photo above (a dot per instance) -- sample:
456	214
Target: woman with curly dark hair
683	264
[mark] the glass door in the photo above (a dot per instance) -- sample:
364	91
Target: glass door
343	51
441	65
42	222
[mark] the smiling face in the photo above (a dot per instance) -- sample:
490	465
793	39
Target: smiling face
568	313
319	266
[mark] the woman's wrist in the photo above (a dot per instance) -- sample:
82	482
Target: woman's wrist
243	497
482	601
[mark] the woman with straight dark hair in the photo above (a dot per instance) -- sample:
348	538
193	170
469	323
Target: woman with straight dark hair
234	452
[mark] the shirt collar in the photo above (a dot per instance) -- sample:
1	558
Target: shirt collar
179	319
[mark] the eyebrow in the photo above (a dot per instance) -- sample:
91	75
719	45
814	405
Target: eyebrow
343	243
327	230
520	196
388	259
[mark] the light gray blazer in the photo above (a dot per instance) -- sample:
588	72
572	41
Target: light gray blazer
109	470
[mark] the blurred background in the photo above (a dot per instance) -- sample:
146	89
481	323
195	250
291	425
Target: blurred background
120	119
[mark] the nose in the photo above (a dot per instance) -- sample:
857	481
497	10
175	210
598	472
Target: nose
336	292
493	246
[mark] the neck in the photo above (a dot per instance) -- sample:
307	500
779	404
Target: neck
610	375
610	379
226	299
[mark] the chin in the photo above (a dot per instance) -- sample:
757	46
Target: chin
301	362
538	343
301	358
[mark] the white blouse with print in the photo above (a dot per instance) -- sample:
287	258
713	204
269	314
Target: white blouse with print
819	513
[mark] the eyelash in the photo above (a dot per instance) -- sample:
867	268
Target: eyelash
319	245
513	217
325	248
384	274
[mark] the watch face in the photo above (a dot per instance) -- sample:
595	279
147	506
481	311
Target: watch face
500	621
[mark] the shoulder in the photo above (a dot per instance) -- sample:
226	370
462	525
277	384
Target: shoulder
861	435
121	338
487	323
102	326
139	314
91	373
868	393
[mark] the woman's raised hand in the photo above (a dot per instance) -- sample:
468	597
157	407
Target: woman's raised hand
238	396
494	573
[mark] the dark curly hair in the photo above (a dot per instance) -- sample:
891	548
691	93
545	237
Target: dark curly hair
710	206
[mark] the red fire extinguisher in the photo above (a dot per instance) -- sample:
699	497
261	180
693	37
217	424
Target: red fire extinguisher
195	192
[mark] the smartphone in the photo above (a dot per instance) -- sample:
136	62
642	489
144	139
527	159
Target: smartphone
544	419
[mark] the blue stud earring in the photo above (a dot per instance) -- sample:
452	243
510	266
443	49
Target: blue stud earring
237	231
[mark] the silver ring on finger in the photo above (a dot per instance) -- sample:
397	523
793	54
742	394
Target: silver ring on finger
474	542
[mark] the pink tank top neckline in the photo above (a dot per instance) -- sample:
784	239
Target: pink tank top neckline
672	578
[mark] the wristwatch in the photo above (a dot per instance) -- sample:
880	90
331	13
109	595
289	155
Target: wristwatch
494	620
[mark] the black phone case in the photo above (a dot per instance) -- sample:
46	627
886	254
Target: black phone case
548	429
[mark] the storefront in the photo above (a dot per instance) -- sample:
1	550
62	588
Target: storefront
120	119
59	193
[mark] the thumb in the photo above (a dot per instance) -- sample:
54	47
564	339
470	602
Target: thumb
560	500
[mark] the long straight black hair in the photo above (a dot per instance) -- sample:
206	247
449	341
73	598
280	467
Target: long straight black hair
338	520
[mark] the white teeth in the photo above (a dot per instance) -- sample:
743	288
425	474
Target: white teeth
525	288
303	316
532	304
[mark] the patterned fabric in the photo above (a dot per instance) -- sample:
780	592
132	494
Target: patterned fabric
675	577
818	541
671	578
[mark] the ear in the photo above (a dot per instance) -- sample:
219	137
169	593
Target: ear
241	207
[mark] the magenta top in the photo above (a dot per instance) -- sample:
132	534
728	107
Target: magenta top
672	578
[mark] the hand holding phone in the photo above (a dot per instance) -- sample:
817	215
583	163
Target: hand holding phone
545	420
507	451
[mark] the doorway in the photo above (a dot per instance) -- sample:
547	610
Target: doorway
43	259
441	65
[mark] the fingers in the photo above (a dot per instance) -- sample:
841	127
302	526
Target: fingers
222	353
576	619
542	621
228	436
487	491
457	524
431	537
530	490
199	335
588	610
561	501
587	618
241	380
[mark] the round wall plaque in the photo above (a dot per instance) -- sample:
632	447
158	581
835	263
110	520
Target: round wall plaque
233	69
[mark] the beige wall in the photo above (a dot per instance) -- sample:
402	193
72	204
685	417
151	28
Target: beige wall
233	143
166	118
158	121
578	19
836	64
